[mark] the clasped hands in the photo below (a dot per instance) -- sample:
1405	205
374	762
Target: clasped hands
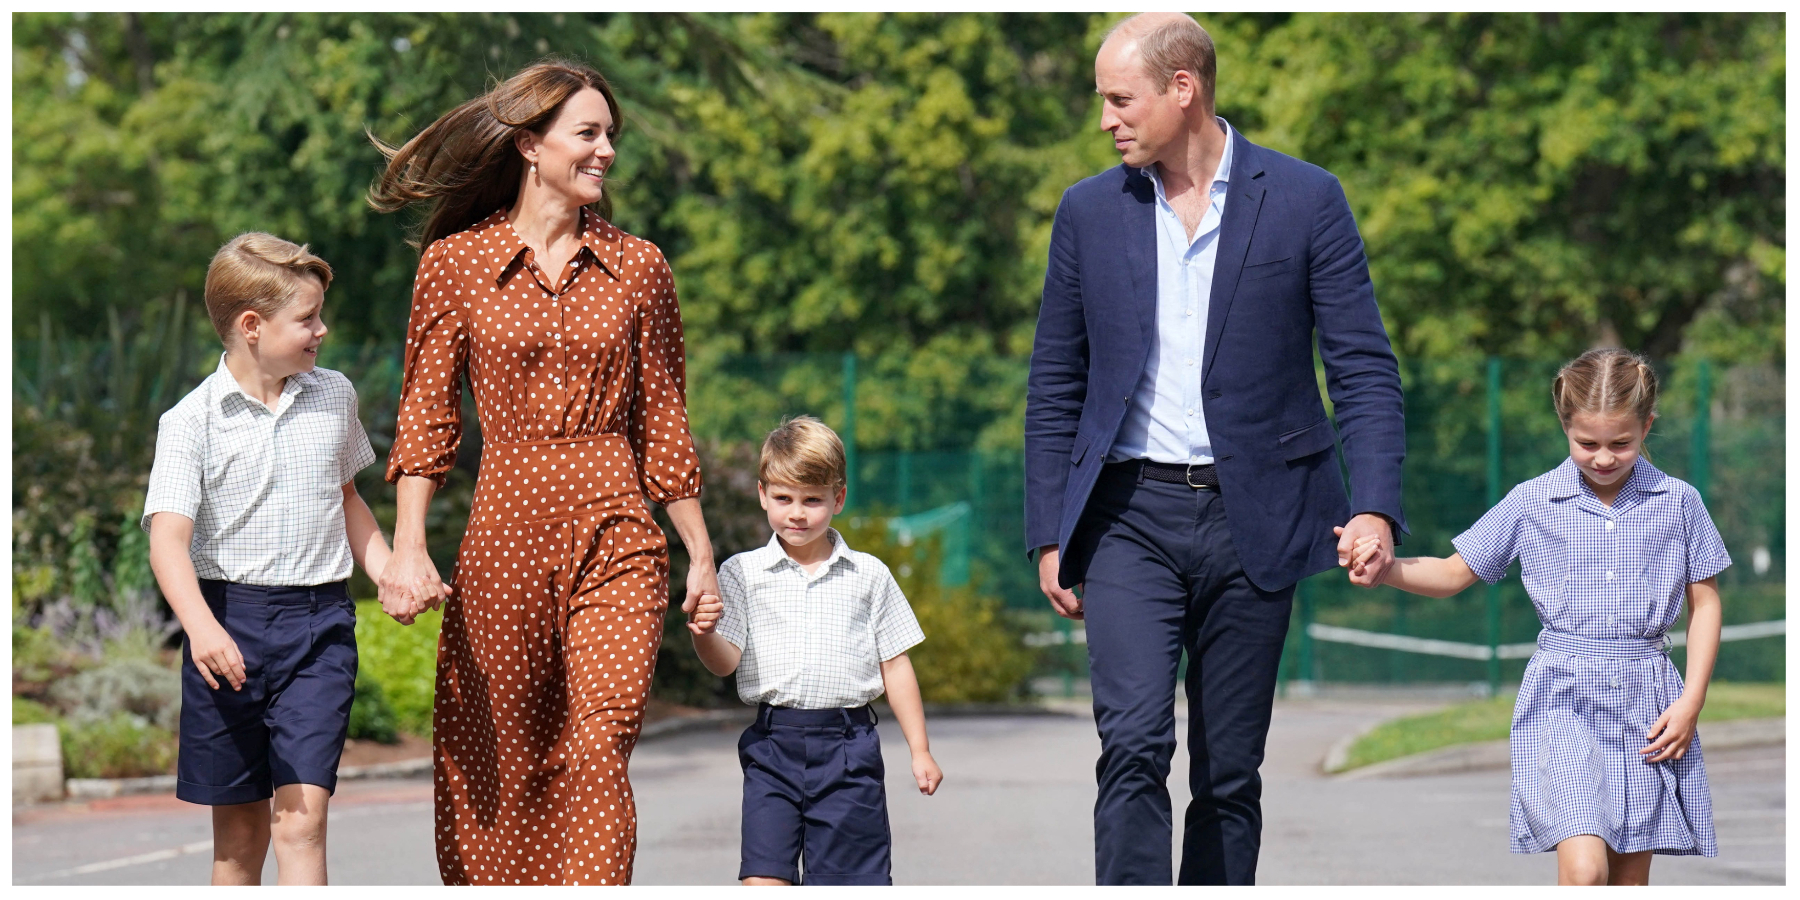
409	584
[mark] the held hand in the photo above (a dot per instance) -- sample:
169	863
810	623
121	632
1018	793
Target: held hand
926	772
702	579
1359	527
1673	731
703	615
1062	599
1365	550
216	653
409	584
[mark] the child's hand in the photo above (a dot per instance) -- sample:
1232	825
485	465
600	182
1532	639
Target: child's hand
1364	550
216	653
1673	731
926	772
704	617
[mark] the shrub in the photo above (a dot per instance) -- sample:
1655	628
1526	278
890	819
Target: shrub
371	718
31	712
119	746
402	660
136	687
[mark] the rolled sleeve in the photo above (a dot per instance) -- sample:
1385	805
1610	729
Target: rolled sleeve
1491	544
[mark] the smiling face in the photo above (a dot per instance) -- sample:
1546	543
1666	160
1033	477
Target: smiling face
800	514
574	152
287	341
1604	447
1144	121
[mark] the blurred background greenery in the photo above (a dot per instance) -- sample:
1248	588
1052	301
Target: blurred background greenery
858	206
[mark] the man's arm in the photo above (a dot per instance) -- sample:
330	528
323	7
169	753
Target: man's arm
1057	386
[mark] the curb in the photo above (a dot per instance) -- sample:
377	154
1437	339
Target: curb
1489	755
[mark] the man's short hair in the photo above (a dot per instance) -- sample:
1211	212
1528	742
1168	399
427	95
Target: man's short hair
802	452
1170	47
258	272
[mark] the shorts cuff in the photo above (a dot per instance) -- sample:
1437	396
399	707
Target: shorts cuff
222	795
783	871
325	778
814	879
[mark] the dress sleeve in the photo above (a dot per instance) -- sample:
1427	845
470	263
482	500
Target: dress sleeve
1706	554
734	621
428	428
1492	543
896	628
669	469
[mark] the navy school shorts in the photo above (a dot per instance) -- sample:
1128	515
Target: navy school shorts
287	725
813	789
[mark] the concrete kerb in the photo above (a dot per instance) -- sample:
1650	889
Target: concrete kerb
107	788
1488	755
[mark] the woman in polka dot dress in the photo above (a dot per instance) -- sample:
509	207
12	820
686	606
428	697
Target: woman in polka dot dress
568	330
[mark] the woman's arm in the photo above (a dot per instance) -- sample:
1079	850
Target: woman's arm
702	574
409	583
902	688
1673	731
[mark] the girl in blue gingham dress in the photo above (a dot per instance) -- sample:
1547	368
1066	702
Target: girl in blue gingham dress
1606	763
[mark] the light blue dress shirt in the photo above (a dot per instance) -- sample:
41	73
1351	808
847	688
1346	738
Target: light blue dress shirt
1166	421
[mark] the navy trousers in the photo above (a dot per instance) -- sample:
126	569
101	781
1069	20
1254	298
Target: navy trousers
1163	577
813	798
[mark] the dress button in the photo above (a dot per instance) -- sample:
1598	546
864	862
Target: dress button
1609	576
1609	526
1615	681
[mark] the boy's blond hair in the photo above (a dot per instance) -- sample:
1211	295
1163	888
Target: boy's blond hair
257	272
802	452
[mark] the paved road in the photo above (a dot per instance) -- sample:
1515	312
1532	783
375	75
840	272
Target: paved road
1014	809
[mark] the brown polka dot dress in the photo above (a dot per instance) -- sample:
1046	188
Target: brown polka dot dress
562	577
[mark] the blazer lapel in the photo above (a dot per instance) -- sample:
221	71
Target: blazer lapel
1137	209
1243	203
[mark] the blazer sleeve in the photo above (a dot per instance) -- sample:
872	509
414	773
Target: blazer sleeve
1361	373
1057	386
428	429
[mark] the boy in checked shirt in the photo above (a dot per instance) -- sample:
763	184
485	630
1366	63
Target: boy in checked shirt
254	522
815	630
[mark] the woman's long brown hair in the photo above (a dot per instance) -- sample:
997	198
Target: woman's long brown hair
465	164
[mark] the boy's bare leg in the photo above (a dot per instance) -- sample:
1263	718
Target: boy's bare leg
1582	860
240	842
298	832
759	881
1628	868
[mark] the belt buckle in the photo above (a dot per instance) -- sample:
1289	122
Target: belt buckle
1668	643
1188	477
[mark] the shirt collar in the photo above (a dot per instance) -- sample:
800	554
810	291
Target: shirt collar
226	384
1222	175
775	555
1565	481
603	239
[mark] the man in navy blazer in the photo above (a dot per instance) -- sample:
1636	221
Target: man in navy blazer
1179	463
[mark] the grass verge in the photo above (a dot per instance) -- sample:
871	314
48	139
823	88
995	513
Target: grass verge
1491	720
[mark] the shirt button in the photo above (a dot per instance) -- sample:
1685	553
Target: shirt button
1190	313
1609	526
1190	412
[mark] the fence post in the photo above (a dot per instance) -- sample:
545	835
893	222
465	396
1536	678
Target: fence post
849	433
1493	500
1701	470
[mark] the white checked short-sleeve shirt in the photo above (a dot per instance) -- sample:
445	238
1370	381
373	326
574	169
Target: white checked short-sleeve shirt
264	487
813	641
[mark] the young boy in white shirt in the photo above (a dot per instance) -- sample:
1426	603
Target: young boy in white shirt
815	630
254	524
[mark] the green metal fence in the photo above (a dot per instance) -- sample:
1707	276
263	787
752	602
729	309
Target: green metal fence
935	448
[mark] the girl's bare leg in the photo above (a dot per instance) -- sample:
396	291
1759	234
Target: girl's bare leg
298	832
240	842
759	881
1582	860
1628	868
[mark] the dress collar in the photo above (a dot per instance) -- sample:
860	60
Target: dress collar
602	239
1565	481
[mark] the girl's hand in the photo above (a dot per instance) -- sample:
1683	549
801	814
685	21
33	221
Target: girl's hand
216	653
1673	732
703	616
1365	549
926	772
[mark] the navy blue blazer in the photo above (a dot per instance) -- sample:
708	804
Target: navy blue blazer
1289	261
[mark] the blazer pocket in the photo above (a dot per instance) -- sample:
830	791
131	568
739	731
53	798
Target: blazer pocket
1267	269
1314	438
1080	450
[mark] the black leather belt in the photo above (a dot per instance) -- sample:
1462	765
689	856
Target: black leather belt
1194	476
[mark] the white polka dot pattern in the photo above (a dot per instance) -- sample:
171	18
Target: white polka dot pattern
549	643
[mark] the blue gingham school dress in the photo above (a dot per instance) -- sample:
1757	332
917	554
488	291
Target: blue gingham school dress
1607	583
